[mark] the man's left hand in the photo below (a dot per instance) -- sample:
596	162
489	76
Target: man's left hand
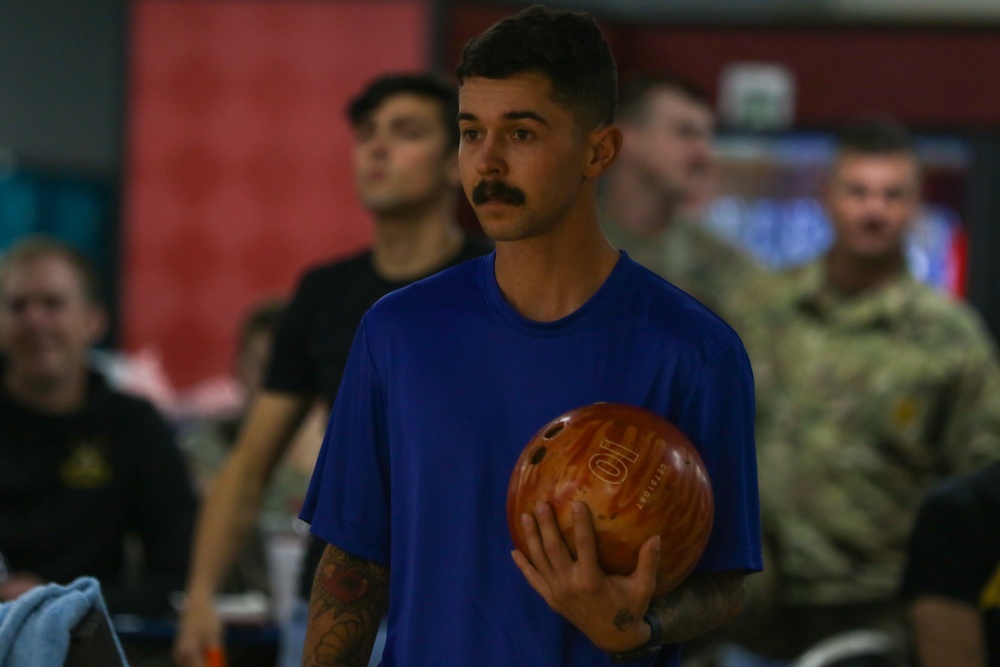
606	608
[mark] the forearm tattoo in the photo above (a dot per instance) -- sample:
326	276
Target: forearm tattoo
701	603
349	596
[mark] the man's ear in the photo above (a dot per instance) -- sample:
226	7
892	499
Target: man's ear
604	144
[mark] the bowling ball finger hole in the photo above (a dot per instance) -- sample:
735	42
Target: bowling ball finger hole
554	431
537	457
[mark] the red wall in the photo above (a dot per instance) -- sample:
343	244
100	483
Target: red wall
925	76
238	158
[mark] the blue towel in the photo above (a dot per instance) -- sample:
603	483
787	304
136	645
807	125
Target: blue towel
35	628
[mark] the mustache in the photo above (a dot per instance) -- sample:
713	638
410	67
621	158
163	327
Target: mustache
487	190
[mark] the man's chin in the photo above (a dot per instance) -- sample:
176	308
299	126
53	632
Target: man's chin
500	228
877	255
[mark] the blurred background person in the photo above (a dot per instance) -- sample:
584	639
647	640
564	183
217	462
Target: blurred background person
206	443
406	171
872	387
650	201
951	584
85	471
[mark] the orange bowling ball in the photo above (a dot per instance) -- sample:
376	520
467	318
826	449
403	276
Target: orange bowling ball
636	472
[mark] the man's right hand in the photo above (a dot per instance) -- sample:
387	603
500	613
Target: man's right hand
229	513
198	631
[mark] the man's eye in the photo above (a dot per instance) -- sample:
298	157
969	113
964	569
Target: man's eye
412	132
522	134
470	135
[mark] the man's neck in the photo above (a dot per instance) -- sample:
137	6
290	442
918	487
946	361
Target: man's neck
638	207
851	275
414	244
54	396
548	278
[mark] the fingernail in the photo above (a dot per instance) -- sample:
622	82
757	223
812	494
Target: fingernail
541	507
577	507
656	542
526	520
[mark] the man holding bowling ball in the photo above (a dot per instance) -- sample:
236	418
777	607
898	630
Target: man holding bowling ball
450	377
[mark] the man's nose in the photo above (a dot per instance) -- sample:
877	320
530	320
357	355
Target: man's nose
377	146
491	160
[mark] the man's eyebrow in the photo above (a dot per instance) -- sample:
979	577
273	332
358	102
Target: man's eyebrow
522	115
510	115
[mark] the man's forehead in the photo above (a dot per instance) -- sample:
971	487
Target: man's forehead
404	105
859	163
513	90
667	101
47	270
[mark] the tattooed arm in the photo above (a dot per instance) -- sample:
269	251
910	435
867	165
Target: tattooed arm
348	598
703	602
609	609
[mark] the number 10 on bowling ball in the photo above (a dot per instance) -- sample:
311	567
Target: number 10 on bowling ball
639	475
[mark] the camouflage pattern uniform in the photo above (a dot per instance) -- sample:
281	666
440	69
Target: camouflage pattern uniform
691	257
864	403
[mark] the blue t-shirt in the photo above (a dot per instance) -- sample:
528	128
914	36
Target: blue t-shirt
445	385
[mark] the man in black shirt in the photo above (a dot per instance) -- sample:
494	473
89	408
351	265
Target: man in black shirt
406	171
81	466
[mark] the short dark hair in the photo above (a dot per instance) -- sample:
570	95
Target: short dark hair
567	47
431	85
636	91
876	136
33	248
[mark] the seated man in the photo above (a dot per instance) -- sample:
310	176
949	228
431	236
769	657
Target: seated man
81	467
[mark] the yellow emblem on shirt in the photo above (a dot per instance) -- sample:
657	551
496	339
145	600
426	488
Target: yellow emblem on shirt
990	597
87	466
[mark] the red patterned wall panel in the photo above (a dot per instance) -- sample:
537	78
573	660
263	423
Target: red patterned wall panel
238	158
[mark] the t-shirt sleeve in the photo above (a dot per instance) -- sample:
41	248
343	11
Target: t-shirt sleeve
289	370
719	420
347	503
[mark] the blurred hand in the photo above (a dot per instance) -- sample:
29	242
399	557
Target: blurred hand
199	630
608	609
17	584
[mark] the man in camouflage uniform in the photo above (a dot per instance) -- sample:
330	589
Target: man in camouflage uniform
871	388
664	172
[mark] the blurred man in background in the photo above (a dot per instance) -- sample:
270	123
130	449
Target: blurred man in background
650	201
872	387
83	469
406	172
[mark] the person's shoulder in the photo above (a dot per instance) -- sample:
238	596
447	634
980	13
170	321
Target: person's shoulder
673	310
122	407
704	238
942	316
448	288
980	487
328	270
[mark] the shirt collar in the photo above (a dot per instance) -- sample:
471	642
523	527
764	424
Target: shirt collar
883	305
